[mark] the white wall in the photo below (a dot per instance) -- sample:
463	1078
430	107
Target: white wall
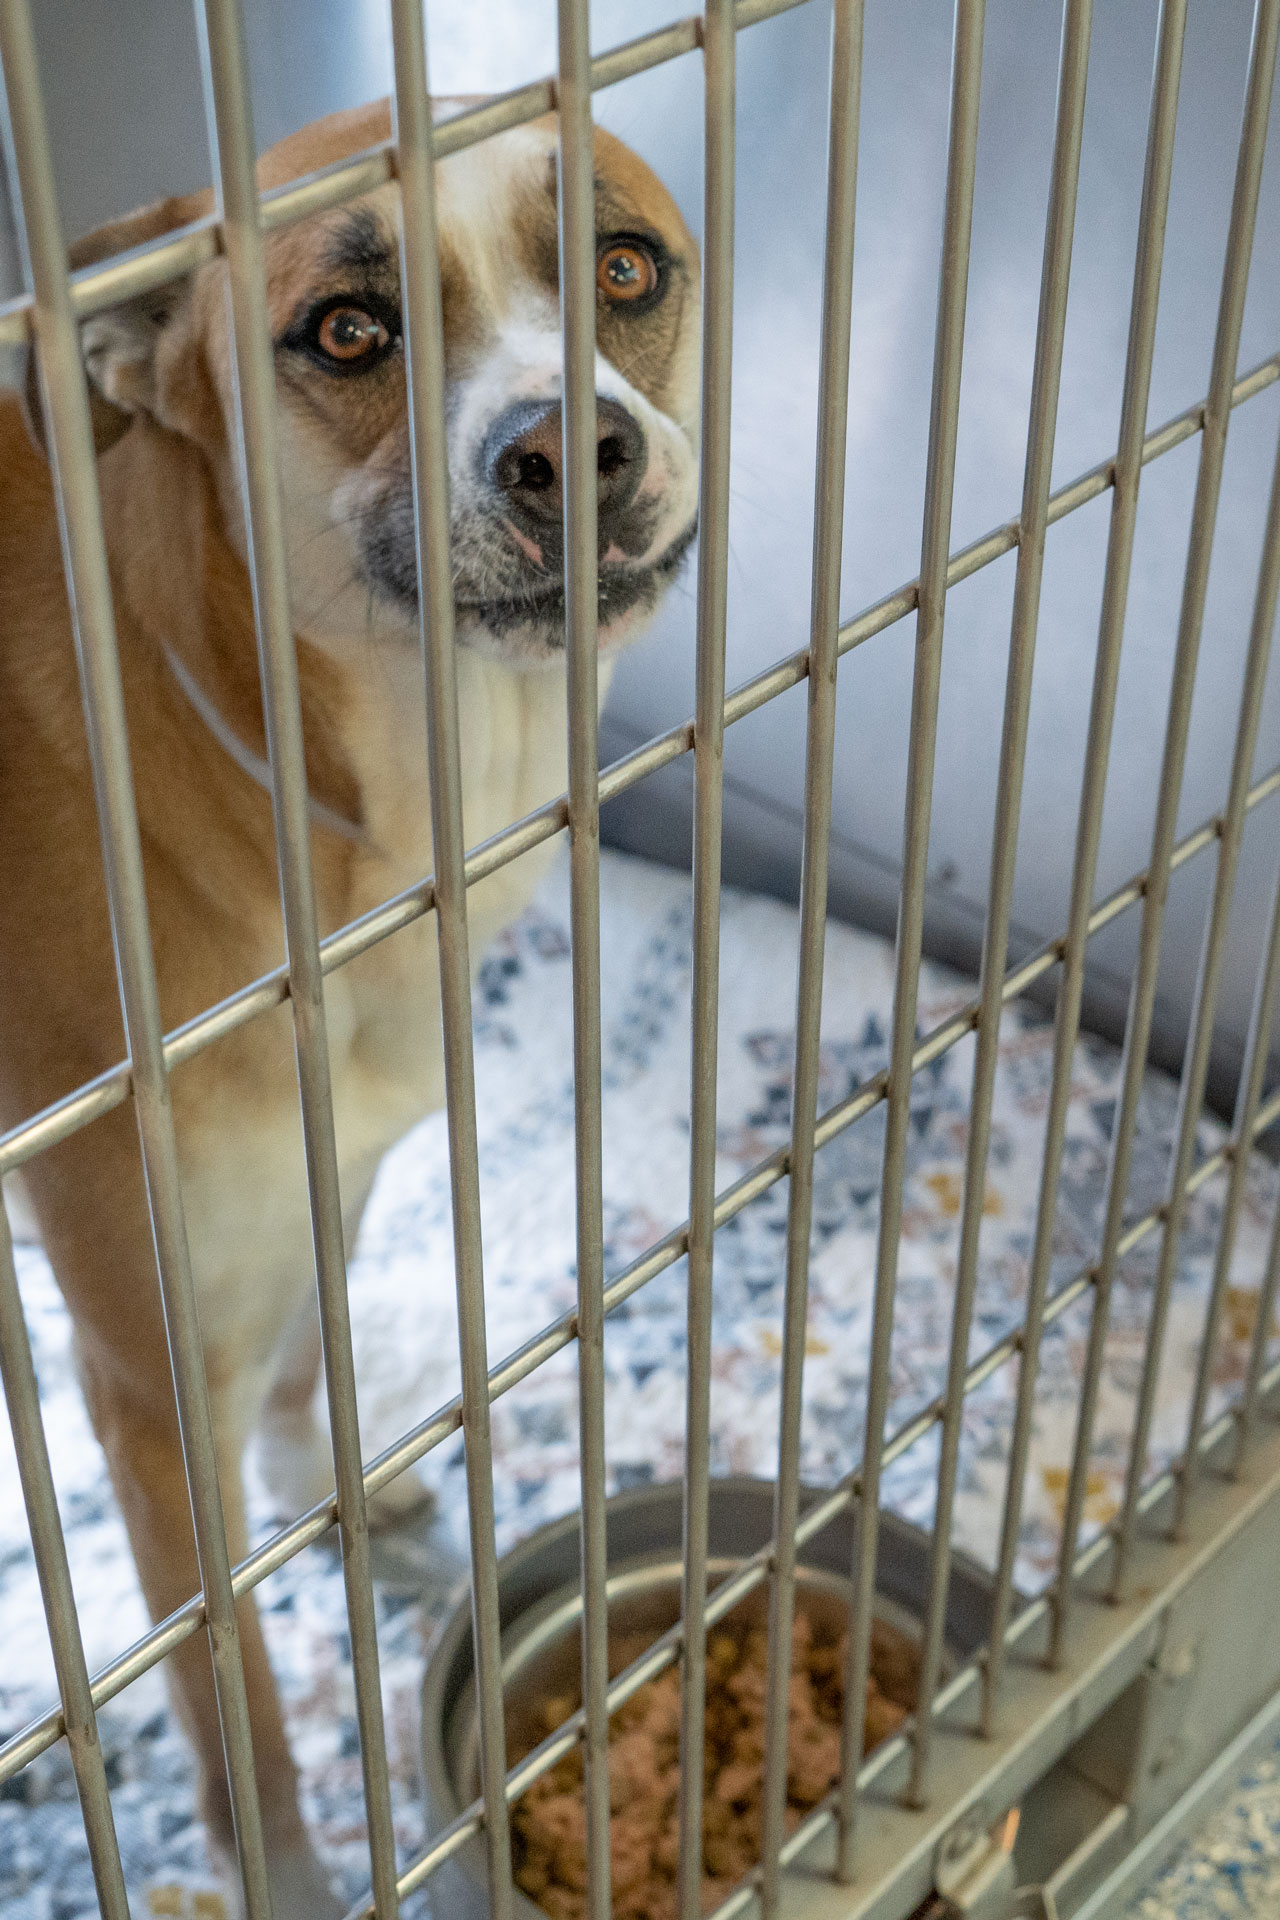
126	115
900	195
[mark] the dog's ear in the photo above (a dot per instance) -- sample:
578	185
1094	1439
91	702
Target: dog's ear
122	343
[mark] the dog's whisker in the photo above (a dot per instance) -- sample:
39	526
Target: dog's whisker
353	579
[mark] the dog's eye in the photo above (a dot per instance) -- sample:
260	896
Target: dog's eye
349	334
626	271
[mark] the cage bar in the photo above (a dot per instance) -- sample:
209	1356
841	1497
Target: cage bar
719	146
828	548
1077	19
578	299
234	156
1115	588
1264	613
1226	346
1247	1412
48	1545
966	82
65	402
424	361
1249	1102
1212	957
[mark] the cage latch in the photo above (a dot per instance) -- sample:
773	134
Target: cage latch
974	1873
975	1877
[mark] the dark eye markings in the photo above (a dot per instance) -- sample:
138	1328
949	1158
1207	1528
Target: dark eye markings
345	333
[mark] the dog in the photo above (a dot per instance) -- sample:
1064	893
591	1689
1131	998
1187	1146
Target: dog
163	402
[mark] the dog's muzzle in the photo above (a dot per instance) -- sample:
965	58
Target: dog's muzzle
523	464
508	530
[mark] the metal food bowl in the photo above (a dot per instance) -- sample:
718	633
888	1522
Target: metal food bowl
540	1608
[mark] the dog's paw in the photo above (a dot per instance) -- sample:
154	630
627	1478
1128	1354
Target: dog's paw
403	1502
295	1465
411	1550
297	1883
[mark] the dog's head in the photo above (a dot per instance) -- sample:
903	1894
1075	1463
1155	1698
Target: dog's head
334	296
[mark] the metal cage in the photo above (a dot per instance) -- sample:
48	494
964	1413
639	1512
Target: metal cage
915	1813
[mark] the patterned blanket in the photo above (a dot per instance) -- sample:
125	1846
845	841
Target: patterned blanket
406	1358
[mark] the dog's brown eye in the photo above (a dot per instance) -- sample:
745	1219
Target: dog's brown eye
626	271
349	333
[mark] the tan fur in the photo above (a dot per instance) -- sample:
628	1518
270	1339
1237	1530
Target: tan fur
177	556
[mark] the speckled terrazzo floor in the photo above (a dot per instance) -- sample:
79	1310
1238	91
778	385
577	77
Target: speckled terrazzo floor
1230	1868
401	1299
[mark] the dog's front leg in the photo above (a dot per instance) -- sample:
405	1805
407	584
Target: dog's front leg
137	1426
294	1454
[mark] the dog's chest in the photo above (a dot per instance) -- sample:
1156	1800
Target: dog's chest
244	1174
384	1008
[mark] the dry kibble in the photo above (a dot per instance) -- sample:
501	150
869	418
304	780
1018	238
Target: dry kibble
549	1822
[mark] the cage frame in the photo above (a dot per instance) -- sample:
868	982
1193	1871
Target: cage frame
1053	1666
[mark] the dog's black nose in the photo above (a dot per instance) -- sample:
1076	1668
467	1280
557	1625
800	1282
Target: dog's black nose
523	457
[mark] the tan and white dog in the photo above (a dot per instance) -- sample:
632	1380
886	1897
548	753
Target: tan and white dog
164	409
